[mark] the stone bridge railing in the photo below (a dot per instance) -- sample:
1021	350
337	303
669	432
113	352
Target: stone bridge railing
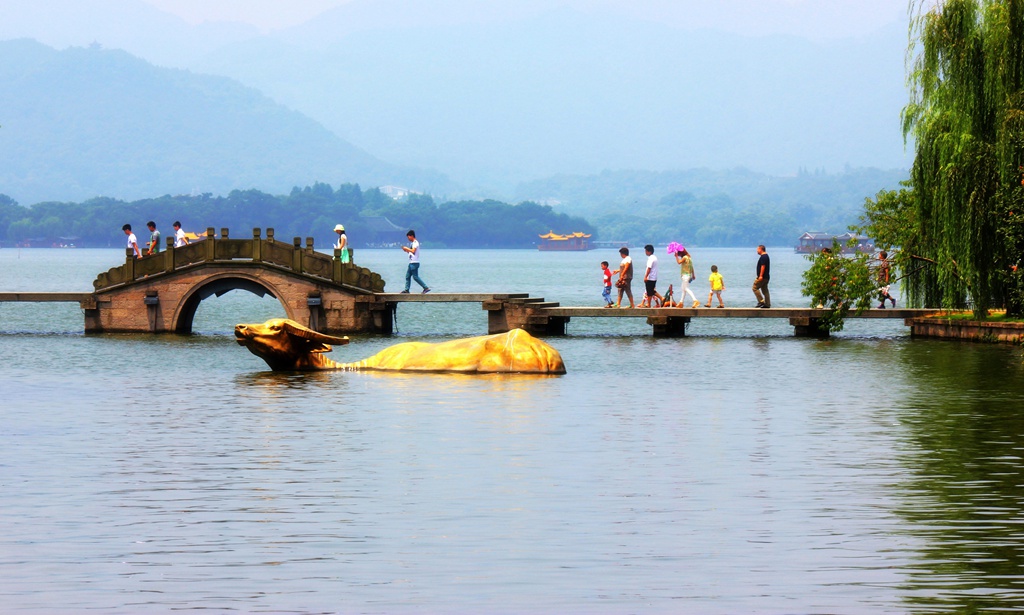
267	251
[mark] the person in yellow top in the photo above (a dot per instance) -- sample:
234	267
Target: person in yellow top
686	275
717	286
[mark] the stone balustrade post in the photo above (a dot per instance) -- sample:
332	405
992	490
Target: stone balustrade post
297	254
211	249
336	267
129	265
169	255
257	246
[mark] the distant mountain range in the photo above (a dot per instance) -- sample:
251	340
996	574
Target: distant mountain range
495	94
86	122
496	102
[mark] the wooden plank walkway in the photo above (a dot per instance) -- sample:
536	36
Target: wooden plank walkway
44	297
433	297
550	308
550	318
727	312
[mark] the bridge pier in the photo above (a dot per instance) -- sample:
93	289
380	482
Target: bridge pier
669	326
152	302
808	326
525	313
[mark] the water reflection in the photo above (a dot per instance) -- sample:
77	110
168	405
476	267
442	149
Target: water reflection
965	494
282	380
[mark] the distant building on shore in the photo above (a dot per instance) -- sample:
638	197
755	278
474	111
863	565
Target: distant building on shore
573	242
812	242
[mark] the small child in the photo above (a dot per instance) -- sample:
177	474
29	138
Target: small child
717	286
656	301
606	294
667	302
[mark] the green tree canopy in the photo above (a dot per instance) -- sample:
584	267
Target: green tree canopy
966	118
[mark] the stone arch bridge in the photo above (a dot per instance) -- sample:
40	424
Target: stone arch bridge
313	288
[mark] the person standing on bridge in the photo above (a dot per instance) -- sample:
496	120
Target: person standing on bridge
154	239
413	272
180	240
342	243
133	243
760	287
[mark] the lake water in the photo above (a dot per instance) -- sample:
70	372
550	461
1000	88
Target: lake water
737	470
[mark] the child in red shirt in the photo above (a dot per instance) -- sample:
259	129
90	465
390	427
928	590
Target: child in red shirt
606	294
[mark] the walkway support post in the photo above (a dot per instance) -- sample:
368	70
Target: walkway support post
314	301
808	326
152	301
668	326
497	317
527	314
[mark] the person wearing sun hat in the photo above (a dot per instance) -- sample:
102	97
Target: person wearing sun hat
342	243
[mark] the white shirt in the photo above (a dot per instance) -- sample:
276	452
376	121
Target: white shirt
414	256
652	264
179	238
132	242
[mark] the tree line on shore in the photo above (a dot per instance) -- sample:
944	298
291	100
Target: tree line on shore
370	218
957	225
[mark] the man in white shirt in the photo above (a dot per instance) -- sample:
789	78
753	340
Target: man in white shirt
133	243
651	278
179	235
412	273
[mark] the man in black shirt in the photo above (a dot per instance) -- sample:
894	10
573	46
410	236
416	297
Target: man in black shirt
764	268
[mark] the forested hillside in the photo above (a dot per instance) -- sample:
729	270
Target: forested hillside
370	218
88	121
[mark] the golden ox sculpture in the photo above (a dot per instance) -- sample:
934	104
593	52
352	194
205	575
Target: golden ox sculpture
288	346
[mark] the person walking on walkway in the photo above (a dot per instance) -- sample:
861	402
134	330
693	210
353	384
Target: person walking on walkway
717	286
883	280
686	275
625	281
606	284
651	279
760	287
413	272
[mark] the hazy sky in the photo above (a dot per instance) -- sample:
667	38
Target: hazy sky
830	18
264	14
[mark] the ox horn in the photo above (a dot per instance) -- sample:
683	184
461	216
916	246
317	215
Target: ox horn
294	328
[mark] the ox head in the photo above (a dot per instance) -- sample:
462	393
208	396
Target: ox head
286	345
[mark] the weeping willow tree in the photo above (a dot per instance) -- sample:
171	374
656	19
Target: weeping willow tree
966	119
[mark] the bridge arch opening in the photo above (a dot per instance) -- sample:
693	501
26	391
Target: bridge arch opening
237	311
